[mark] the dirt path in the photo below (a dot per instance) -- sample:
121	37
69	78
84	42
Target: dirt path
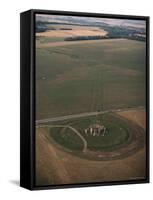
70	127
82	138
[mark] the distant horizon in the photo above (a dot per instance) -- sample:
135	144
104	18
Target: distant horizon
88	20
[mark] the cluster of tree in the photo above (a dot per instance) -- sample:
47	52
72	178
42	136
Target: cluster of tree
66	29
122	32
52	28
40	27
119	32
43	26
136	37
76	38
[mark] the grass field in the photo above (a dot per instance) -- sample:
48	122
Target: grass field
44	40
86	77
122	137
66	138
90	102
118	132
56	166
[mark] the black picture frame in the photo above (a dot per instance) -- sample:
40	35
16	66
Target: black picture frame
27	98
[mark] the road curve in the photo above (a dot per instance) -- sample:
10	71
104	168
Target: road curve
70	127
82	138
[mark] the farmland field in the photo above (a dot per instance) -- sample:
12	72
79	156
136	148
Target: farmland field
90	101
60	31
52	157
122	137
87	77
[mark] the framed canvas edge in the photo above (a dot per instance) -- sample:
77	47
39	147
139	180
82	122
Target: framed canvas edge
32	185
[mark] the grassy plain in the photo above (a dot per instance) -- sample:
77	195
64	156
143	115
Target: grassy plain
118	132
55	166
85	77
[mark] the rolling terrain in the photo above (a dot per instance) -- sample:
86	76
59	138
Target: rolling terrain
87	83
54	165
86	77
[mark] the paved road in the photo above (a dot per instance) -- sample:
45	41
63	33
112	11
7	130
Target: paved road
87	114
70	127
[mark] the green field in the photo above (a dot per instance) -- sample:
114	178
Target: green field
118	133
78	78
43	39
66	138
